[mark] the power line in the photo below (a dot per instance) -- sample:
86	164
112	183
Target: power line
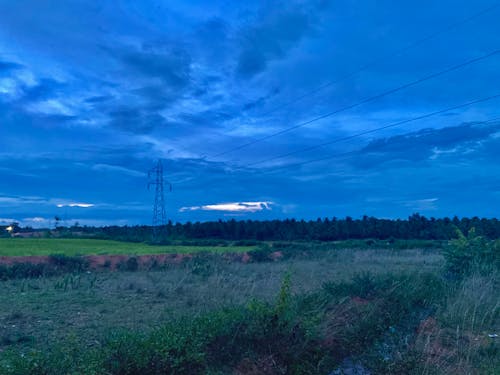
352	153
374	62
358	152
348	153
374	130
366	66
364	101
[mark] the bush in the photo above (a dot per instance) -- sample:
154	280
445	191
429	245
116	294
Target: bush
132	264
21	271
69	263
472	251
261	254
202	264
57	265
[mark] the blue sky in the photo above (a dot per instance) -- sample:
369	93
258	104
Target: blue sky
93	92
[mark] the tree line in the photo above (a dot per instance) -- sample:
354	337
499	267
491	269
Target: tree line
327	229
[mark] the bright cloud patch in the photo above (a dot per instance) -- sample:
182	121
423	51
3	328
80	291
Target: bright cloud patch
36	219
422	204
232	207
82	205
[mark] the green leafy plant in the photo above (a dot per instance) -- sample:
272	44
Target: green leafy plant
472	251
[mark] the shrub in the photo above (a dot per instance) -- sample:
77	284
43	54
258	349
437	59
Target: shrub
472	251
132	264
261	254
69	263
203	264
25	270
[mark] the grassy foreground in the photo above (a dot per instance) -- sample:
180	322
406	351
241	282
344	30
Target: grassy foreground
317	311
77	246
410	323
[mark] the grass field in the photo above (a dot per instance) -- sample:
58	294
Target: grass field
392	311
89	305
72	247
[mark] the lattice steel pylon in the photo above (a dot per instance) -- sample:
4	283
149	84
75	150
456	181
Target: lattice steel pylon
155	176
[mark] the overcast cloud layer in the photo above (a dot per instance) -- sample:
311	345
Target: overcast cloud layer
92	93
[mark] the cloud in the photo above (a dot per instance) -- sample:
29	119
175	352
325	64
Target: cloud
216	33
16	200
36	219
135	120
98	99
426	144
279	28
44	89
51	107
169	63
145	80
420	205
156	96
8	66
6	220
117	169
81	205
232	207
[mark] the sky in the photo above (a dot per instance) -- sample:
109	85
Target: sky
258	110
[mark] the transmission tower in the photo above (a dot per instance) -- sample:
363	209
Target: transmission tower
155	177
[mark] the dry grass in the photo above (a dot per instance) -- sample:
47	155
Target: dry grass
458	341
87	306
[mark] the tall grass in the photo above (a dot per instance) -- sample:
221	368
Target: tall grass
457	340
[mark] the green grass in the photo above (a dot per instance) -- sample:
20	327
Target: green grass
72	247
392	311
386	323
88	305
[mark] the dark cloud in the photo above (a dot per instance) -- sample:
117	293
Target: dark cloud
171	64
206	118
98	99
156	96
278	29
216	34
421	145
136	120
7	66
44	89
261	101
188	79
203	88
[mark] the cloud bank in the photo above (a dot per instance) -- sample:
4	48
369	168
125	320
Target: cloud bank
231	207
